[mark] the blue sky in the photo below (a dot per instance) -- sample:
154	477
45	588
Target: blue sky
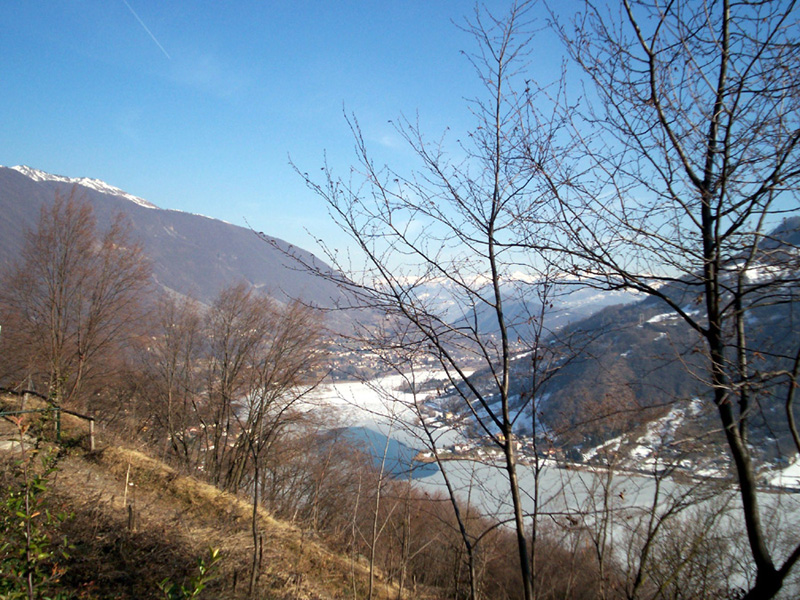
197	106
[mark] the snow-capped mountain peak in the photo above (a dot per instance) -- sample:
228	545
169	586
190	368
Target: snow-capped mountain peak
87	182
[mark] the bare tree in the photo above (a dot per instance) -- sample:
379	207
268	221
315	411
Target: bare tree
455	225
685	159
236	331
172	362
76	293
283	372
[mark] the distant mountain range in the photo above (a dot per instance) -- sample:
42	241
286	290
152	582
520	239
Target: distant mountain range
191	254
198	256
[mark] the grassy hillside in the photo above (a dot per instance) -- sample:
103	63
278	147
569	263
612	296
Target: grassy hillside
125	539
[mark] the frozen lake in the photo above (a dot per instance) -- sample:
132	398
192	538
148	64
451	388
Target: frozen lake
384	418
379	409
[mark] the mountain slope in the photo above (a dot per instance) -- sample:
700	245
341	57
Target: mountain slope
642	361
191	254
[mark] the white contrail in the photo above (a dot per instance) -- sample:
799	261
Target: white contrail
150	33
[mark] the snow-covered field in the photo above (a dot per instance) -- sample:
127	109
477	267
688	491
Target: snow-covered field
382	405
788	477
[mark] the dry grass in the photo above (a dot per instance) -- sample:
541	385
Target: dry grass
128	538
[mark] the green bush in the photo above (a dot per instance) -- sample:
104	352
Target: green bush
205	569
32	547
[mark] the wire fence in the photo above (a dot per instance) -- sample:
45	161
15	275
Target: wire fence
57	410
